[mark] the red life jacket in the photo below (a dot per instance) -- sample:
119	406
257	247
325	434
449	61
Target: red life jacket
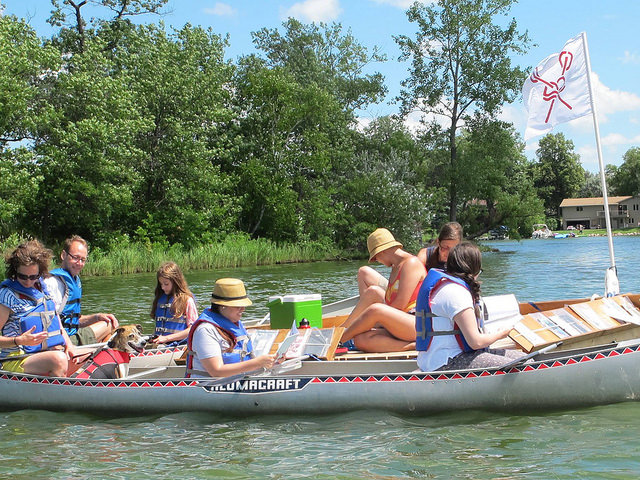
104	363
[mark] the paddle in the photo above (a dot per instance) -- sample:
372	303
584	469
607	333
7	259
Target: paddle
524	358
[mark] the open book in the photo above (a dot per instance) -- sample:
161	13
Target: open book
500	312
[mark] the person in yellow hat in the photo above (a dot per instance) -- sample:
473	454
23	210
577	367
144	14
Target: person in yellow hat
382	321
218	343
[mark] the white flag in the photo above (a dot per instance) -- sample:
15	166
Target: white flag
557	90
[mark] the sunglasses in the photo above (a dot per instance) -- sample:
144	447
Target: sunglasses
22	276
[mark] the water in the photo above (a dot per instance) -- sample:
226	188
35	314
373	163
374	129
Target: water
587	443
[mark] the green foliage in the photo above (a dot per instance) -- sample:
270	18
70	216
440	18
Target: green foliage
558	173
19	180
460	65
86	151
378	189
592	186
125	256
494	180
179	81
26	70
323	55
625	180
297	106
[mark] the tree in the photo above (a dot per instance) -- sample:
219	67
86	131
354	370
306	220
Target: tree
591	187
323	55
378	188
495	185
27	71
295	107
86	150
180	81
68	14
626	178
460	64
558	173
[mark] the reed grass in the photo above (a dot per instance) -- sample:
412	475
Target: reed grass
125	256
233	252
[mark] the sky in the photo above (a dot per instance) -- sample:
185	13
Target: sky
611	28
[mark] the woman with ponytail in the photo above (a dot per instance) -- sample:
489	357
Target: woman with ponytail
447	327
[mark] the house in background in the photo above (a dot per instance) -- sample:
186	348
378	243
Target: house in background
589	212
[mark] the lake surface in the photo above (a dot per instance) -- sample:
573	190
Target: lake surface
587	443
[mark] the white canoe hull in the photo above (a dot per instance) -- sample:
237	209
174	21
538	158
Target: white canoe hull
558	381
157	357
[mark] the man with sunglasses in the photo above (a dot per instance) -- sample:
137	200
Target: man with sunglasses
65	287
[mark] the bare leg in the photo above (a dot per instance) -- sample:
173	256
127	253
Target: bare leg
368	277
372	295
381	341
399	324
52	363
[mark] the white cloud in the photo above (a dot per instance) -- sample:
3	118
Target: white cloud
362	123
630	57
221	10
613	145
615	139
589	157
515	114
613	101
315	10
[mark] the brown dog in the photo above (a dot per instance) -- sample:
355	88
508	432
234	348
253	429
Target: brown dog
112	360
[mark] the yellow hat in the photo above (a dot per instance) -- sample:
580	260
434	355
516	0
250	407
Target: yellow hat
230	292
381	239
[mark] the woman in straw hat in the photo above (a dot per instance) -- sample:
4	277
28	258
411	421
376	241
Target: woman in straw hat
382	319
218	343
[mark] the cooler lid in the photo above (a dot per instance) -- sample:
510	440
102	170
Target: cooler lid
302	298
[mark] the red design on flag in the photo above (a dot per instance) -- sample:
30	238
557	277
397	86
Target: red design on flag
557	90
552	90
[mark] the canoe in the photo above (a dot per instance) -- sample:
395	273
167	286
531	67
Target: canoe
555	380
598	370
157	357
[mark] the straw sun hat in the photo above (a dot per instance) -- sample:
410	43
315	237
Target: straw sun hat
230	292
381	239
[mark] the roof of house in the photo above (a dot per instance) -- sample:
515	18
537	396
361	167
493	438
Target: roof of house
583	202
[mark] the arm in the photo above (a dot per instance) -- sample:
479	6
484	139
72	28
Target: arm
209	344
411	274
216	368
468	324
72	350
174	337
109	318
26	338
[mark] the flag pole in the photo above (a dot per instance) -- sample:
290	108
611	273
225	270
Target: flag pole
603	180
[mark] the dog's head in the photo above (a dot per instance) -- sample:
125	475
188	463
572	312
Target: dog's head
128	338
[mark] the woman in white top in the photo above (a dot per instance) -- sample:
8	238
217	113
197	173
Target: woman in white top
448	333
